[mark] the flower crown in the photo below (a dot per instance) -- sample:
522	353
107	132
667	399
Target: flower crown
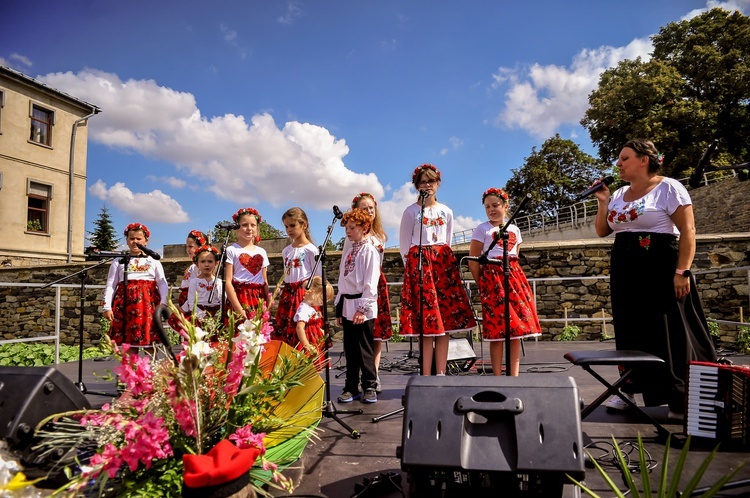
419	169
244	211
495	191
137	226
199	237
205	248
361	195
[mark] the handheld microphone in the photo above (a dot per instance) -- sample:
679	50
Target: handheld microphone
695	178
607	180
227	226
337	213
423	193
148	252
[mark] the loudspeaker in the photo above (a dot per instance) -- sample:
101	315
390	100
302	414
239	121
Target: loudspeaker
28	395
461	356
478	435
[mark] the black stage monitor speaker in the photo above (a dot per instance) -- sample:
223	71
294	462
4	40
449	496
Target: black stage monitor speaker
475	436
28	395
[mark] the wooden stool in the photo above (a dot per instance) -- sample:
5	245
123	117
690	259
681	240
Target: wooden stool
629	361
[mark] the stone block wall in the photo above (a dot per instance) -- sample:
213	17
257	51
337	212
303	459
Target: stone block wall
29	311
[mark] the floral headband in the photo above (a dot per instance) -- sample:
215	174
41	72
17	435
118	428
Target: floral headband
495	191
236	216
199	237
419	169
137	226
361	195
205	248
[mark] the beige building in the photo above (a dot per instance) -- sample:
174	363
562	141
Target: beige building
43	141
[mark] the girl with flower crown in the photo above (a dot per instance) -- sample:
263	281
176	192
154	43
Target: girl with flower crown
131	310
204	290
245	274
195	239
383	329
444	308
655	306
299	260
491	281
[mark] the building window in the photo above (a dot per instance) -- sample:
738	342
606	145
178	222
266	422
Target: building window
39	196
41	125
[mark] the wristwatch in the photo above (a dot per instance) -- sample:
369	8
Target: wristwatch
684	273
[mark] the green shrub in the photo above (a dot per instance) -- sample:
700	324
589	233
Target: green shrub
743	338
25	354
569	333
713	329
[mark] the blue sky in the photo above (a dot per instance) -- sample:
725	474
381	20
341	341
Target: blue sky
212	106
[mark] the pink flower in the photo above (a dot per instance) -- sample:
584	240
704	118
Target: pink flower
109	460
135	372
245	438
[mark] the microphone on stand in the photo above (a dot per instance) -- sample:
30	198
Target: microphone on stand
423	193
337	212
148	252
607	180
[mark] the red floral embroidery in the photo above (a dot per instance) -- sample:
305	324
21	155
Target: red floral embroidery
645	242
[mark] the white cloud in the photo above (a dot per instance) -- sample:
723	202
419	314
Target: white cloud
238	161
461	223
391	210
731	5
169	180
22	59
293	12
456	143
152	206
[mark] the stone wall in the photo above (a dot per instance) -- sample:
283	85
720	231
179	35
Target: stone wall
722	207
29	311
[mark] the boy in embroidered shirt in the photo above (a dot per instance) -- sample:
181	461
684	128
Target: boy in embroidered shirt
357	307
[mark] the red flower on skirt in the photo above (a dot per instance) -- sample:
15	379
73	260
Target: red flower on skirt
135	323
523	318
290	297
383	329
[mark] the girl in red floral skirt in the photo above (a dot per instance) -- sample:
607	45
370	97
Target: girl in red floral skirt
445	307
383	330
489	276
310	332
195	239
245	272
299	260
131	310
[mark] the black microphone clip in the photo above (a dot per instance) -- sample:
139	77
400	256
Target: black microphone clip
337	212
227	226
423	193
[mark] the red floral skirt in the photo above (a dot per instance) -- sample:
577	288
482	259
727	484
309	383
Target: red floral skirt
523	318
290	297
383	329
135	324
248	294
445	307
316	337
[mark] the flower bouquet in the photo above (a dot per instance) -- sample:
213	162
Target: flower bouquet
254	392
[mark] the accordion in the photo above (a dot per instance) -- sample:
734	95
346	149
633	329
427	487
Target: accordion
718	403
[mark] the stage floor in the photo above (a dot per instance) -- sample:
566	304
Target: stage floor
334	464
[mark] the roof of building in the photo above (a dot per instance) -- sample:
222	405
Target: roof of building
12	73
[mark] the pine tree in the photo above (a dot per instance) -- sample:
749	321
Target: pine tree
103	237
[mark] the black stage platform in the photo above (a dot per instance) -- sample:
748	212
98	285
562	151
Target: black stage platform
337	463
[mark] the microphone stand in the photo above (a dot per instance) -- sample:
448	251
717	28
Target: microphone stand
220	274
329	409
483	259
82	297
420	324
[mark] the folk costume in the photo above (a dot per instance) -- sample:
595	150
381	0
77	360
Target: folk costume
146	288
313	319
445	307
208	295
523	318
646	314
247	274
298	266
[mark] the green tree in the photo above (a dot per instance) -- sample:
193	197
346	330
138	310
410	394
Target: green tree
696	88
267	231
104	236
553	175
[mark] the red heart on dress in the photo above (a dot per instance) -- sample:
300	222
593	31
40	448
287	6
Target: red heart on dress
253	264
511	241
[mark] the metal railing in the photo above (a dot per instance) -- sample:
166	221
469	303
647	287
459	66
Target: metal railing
574	215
